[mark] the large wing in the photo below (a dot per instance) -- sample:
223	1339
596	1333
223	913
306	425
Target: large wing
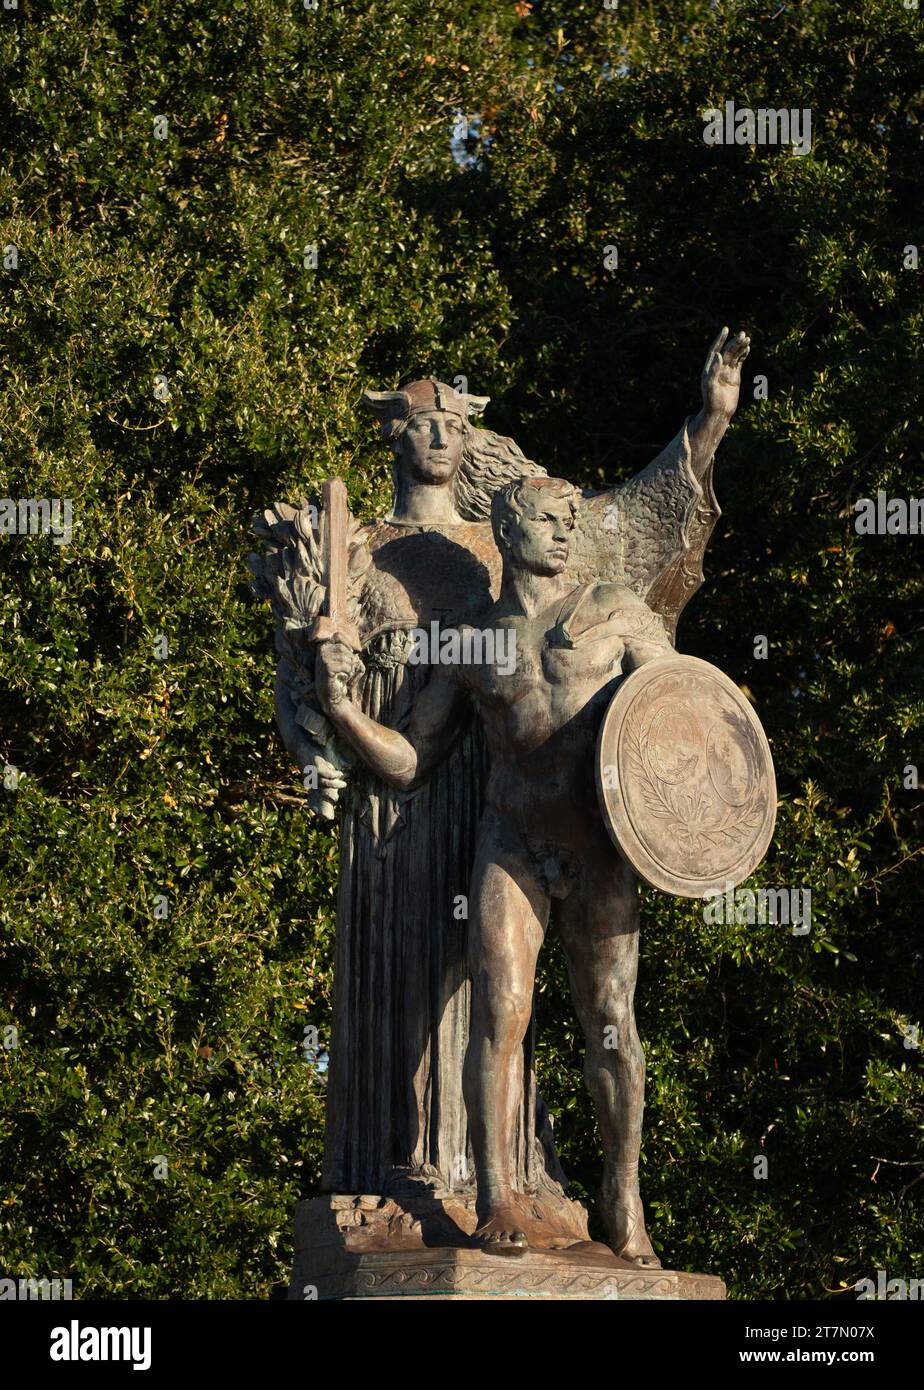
290	574
651	532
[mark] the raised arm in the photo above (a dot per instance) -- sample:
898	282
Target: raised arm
651	532
403	761
721	382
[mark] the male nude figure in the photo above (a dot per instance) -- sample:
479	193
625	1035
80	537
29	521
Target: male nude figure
541	837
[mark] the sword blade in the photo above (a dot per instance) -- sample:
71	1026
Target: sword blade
336	548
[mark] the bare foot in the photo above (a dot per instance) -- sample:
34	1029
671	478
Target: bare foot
502	1233
624	1216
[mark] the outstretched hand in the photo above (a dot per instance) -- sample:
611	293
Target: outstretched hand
722	373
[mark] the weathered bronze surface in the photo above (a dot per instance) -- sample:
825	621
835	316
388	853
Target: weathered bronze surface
396	1120
475	784
373	1247
685	777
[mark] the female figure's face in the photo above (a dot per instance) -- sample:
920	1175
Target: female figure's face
430	447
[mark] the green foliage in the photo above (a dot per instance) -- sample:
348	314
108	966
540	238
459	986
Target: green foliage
141	1037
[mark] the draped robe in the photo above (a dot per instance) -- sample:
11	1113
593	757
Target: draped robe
395	1111
395	1114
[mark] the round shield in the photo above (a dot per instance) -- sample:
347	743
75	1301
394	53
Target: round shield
685	777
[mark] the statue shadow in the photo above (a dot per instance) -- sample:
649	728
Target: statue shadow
440	576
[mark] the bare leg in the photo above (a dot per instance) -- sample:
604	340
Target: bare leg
507	917
599	930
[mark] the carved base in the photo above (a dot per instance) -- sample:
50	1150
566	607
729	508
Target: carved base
349	1247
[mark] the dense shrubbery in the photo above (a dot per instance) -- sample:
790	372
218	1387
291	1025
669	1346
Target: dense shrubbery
143	1038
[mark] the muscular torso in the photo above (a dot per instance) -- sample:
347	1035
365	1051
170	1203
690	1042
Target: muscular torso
542	720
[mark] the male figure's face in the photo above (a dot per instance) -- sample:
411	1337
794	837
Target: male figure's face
430	447
539	539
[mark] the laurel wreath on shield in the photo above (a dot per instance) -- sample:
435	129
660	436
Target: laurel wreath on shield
686	809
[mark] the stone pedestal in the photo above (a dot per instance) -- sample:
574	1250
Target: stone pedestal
365	1246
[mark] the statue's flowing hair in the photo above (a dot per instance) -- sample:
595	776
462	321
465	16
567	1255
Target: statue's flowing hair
489	461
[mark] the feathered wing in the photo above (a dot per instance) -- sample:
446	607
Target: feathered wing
651	532
290	574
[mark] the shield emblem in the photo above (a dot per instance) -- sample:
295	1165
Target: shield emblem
685	777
